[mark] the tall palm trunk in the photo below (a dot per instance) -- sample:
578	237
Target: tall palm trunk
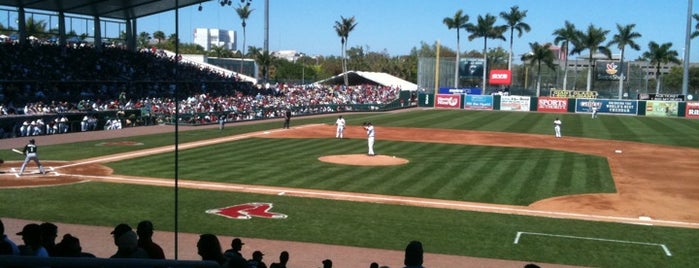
242	55
621	75
344	62
589	73
509	53
485	63
456	69
538	79
657	79
565	69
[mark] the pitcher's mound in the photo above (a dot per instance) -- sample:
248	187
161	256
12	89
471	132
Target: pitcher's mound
363	160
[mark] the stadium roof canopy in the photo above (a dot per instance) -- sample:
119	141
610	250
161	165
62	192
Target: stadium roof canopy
369	78
114	9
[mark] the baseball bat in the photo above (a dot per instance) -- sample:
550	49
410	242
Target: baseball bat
17	151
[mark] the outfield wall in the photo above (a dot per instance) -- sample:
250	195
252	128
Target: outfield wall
655	108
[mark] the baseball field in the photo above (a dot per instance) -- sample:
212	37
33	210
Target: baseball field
616	191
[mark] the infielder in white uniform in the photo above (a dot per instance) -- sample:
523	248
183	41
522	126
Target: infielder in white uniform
340	122
30	150
557	127
370	137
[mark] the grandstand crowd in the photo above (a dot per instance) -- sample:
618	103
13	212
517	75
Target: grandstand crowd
42	240
45	82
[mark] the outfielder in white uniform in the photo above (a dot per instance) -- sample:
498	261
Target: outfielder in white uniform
30	150
370	137
340	122
557	127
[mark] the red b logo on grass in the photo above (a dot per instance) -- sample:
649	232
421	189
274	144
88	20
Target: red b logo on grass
247	211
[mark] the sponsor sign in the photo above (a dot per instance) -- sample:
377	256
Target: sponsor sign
661	97
622	107
553	105
500	77
478	102
692	110
661	108
451	101
574	94
247	211
471	68
610	70
515	103
473	91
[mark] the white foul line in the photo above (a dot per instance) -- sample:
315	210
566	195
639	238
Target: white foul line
665	249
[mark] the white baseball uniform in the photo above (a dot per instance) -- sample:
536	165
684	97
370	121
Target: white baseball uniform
557	127
370	138
340	122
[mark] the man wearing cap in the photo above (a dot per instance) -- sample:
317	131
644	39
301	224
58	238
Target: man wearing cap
145	240
126	241
30	151
256	261
31	235
236	247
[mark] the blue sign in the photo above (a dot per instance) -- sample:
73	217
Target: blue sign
478	102
471	91
629	107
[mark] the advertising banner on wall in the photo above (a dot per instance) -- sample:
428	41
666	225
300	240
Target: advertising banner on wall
515	103
450	101
500	77
661	108
471	68
552	105
692	110
574	94
624	107
661	97
478	102
609	70
472	90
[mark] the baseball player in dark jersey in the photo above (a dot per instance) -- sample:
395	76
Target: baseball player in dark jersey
30	152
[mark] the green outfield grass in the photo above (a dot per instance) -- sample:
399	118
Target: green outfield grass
473	173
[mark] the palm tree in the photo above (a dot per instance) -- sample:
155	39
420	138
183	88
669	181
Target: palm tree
514	23
457	22
591	40
159	35
624	37
36	28
566	36
244	12
343	28
539	54
485	28
660	54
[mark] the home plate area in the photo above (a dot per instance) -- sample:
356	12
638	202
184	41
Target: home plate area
33	172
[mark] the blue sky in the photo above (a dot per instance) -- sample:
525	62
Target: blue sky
397	26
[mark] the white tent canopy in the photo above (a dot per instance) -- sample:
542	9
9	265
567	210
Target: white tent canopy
374	78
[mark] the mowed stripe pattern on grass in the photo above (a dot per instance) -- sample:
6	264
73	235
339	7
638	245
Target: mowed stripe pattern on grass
486	174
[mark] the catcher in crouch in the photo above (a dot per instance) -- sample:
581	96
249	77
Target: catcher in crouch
30	153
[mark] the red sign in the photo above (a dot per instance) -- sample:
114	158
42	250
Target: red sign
500	77
555	105
692	110
247	211
452	101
